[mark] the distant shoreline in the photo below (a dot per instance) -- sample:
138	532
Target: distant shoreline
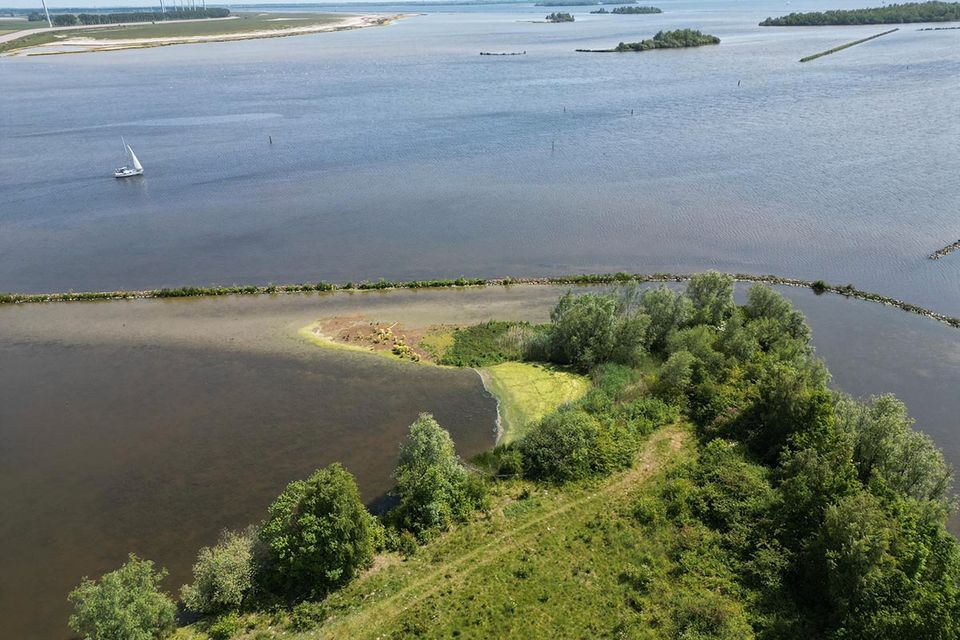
85	42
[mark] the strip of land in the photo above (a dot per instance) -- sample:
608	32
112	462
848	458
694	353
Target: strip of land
241	26
818	286
846	46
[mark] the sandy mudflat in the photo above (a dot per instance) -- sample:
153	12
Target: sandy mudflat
87	44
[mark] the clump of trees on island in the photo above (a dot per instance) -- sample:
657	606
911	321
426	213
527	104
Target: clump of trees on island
70	19
557	16
934	11
677	39
629	10
804	513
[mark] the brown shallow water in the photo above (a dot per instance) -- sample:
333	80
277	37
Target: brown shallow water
149	425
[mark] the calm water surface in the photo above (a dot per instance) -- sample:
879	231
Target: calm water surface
148	426
399	152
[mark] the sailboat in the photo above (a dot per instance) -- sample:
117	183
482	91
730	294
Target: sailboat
135	168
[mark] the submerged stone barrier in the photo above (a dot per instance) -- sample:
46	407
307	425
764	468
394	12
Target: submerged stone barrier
818	286
947	250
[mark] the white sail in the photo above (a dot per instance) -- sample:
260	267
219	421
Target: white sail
133	156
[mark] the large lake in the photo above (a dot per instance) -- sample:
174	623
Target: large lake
399	152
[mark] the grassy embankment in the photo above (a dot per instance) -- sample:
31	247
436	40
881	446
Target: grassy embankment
845	46
8	25
238	25
545	562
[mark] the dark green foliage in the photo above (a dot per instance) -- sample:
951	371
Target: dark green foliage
887	450
681	38
559	17
629	10
225	627
65	20
307	616
318	535
126	604
668	311
890	14
572	444
224	575
144	16
490	343
818	286
434	488
592	329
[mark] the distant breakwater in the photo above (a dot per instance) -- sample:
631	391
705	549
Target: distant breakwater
847	45
947	250
818	286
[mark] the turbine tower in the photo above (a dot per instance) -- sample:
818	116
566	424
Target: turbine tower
49	24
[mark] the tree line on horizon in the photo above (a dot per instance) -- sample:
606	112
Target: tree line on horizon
933	11
72	19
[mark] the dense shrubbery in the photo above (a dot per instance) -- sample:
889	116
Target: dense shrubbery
126	604
804	514
224	575
670	40
890	14
70	19
318	535
489	343
557	16
434	489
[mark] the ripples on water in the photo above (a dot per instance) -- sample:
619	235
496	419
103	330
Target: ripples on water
399	152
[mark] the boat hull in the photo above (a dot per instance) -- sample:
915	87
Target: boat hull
127	173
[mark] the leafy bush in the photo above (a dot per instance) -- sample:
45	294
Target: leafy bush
433	486
571	444
668	311
489	343
225	627
712	296
307	616
126	604
223	575
318	535
592	329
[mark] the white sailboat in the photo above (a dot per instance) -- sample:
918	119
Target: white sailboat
134	169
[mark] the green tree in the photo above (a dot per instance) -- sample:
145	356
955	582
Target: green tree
433	486
223	576
571	444
886	448
318	534
668	311
126	604
591	329
774	318
712	296
673	379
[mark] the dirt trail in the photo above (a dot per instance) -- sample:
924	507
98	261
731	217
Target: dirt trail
374	615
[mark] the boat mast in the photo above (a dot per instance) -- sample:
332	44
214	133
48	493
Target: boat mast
49	24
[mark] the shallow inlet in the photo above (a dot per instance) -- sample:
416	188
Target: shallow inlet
149	425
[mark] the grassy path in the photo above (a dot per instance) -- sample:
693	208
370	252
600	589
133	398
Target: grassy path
376	618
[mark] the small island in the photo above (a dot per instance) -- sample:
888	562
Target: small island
630	10
559	17
678	39
890	14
